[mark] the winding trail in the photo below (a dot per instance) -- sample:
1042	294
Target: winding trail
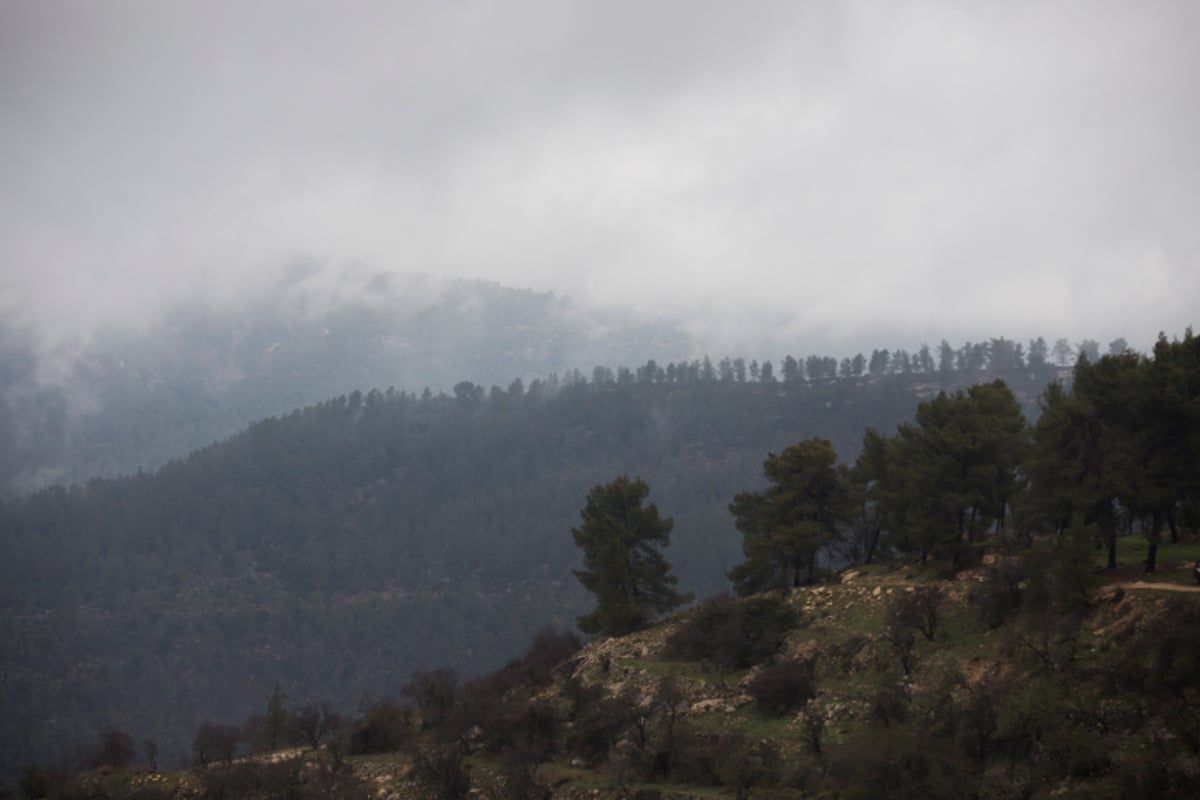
1169	587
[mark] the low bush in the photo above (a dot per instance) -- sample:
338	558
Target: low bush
999	595
440	770
296	778
384	727
517	779
890	702
783	687
732	634
598	723
549	648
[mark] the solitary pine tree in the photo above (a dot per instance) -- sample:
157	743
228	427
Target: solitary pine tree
275	723
623	566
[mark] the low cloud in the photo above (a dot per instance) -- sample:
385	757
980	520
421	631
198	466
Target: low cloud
839	175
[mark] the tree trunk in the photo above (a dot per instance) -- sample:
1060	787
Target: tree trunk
872	543
1152	549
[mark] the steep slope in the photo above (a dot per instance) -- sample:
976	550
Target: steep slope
1039	703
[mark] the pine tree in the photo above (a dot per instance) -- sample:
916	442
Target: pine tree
623	566
275	723
957	468
786	525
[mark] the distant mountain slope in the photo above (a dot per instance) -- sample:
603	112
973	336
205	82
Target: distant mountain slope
339	548
135	399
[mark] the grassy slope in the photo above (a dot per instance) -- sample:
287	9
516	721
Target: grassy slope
842	628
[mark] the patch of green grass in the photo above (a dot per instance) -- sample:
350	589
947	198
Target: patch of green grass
373	758
1131	551
845	730
833	680
842	616
748	720
555	772
560	773
107	782
666	667
877	568
757	724
684	791
961	631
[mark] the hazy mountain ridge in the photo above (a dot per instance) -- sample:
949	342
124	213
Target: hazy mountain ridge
134	399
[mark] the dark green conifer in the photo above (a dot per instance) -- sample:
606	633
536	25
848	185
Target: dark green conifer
786	525
623	566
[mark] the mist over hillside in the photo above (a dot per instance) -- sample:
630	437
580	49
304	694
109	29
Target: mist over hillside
131	398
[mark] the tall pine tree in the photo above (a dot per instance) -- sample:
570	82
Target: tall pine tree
623	566
784	527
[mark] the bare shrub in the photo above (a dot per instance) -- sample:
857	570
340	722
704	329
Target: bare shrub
904	643
312	723
115	750
919	610
440	769
215	741
434	692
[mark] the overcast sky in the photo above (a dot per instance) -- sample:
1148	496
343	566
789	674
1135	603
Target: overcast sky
877	171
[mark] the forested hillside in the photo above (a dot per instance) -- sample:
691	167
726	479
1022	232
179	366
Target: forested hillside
340	547
999	633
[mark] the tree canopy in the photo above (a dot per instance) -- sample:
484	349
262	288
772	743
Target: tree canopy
1121	446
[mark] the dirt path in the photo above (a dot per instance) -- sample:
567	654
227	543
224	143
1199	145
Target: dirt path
1169	587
